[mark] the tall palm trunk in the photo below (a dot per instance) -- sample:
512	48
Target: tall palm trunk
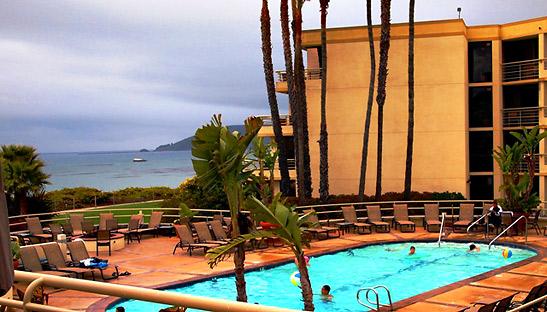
381	96
300	91
272	99
21	199
307	293
410	136
239	252
369	104
323	140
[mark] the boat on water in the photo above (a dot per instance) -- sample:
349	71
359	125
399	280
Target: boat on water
138	160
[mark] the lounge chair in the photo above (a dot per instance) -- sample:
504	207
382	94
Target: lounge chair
102	220
88	227
533	223
57	260
78	252
154	224
31	262
482	308
132	229
35	228
218	231
76	222
504	304
316	227
220	217
401	218
67	228
186	240
204	234
431	217
351	217
112	225
535	293
375	218
465	218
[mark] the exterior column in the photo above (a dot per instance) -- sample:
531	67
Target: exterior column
497	110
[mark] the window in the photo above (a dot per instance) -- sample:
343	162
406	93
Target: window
480	151
482	187
480	107
480	61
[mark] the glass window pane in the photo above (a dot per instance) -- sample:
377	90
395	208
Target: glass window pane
480	107
480	151
480	61
482	187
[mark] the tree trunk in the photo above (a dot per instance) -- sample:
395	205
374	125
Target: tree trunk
239	262
410	135
305	283
272	99
300	91
23	205
381	96
369	104
323	140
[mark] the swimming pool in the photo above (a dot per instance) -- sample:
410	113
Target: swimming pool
348	271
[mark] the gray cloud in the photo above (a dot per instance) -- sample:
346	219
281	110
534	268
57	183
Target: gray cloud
119	75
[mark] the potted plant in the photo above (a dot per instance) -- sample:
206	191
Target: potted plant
517	186
15	254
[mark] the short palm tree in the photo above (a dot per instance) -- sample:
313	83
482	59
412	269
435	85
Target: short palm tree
22	173
288	228
222	156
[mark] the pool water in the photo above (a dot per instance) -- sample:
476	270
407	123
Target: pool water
348	271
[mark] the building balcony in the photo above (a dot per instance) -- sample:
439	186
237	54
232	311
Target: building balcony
521	117
281	85
522	70
267	127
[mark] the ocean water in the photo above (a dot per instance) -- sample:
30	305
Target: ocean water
110	171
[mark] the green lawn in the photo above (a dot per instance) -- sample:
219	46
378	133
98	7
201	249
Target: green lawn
122	212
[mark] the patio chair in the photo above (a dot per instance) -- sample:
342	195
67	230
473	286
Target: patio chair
103	239
351	217
154	224
504	304
535	293
67	228
533	224
55	229
186	240
31	262
218	231
132	229
35	228
400	212
431	217
465	218
204	234
102	220
375	218
88	227
316	228
57	260
76	222
220	217
78	252
112	225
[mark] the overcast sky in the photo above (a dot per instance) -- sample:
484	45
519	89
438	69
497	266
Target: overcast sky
123	75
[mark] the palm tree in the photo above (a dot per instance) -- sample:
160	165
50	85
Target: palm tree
222	156
304	181
289	229
410	136
323	140
381	95
369	104
272	99
22	171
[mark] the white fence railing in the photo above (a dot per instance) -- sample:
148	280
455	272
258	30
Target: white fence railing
522	70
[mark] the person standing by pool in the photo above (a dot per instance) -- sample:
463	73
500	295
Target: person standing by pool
412	250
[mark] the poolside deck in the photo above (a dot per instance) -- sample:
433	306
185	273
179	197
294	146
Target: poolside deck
152	264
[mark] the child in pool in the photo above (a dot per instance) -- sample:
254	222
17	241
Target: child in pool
412	250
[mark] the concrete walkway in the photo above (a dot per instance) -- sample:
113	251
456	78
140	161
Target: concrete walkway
152	264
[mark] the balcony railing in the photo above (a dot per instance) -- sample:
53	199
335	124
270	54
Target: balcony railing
521	117
310	73
522	70
267	120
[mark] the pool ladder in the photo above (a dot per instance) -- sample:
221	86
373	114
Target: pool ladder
377	303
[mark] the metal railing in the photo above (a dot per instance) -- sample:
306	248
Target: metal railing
127	292
510	226
377	303
286	120
521	70
309	73
529	304
441	230
477	221
521	117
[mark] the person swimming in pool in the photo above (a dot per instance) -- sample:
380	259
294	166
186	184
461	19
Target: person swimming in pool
473	248
412	250
325	293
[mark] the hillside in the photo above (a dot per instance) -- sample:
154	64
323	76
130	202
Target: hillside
186	144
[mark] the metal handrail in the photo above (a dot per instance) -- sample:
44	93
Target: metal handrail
511	225
441	229
475	222
377	303
127	292
529	304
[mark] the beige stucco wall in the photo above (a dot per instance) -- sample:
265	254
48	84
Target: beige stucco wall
440	161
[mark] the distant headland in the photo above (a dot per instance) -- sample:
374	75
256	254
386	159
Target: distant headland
186	144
